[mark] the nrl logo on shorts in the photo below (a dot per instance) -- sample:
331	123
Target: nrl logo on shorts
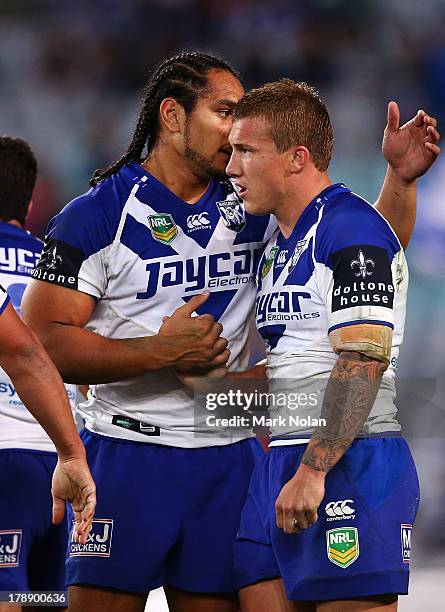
163	228
296	254
342	546
269	261
232	213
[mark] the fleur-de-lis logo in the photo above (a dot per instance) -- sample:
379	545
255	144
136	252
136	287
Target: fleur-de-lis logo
362	263
53	259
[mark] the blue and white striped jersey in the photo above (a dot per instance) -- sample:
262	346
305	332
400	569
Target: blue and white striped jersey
142	252
341	266
19	251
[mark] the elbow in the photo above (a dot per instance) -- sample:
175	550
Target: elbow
25	358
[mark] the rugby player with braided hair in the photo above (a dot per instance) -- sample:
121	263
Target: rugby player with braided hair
161	235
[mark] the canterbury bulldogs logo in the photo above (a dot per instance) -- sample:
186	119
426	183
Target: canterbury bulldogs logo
196	222
339	510
232	213
296	254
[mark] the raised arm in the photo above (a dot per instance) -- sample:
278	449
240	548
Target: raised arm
40	388
410	151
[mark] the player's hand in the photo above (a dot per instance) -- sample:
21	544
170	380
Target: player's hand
411	149
202	384
194	343
297	504
72	482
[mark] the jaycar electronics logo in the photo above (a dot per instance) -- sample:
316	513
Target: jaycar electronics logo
10	544
362	277
98	543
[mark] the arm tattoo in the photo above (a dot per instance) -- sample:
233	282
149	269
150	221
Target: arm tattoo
349	397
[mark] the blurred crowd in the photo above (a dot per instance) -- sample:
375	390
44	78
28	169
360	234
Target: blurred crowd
70	81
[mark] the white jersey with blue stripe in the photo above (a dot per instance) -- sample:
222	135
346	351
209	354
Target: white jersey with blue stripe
142	252
19	252
341	266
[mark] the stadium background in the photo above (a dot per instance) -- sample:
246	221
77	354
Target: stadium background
70	78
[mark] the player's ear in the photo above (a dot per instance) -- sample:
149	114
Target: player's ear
171	115
299	156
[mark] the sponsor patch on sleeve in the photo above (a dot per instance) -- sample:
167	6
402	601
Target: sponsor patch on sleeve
362	277
59	264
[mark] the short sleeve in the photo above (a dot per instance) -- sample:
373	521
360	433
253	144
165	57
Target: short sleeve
357	258
77	240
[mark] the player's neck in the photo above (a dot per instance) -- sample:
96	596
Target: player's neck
171	170
13	222
296	201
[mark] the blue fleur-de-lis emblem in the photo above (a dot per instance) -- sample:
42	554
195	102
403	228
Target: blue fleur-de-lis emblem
362	263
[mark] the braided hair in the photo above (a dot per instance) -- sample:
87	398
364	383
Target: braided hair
184	78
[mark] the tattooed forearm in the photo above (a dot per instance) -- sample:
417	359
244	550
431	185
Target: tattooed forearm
349	397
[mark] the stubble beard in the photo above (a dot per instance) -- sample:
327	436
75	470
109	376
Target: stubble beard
206	170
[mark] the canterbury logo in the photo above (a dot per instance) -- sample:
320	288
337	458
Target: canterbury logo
340	509
196	221
281	259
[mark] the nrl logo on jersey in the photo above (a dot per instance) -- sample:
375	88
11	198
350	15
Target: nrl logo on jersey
232	213
163	228
269	261
296	255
